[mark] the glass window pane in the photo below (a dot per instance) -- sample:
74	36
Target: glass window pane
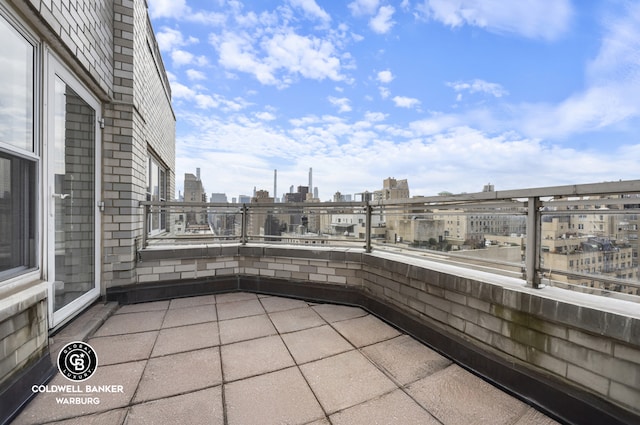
17	215
16	90
73	163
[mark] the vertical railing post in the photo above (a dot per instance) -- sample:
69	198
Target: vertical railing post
145	224
532	253
245	213
369	214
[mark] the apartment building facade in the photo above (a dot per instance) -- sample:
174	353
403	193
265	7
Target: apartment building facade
87	131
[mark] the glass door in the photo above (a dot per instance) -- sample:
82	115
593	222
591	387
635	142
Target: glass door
72	223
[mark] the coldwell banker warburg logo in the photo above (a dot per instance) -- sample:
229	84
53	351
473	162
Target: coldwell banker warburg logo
77	361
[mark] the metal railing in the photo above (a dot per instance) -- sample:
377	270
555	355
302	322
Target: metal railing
579	236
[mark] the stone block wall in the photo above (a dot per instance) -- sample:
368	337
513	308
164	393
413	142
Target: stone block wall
549	331
107	45
81	32
139	121
23	331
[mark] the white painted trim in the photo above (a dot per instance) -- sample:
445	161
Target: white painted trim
55	68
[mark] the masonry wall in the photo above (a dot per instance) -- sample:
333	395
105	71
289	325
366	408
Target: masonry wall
23	331
106	44
588	347
140	122
541	330
80	34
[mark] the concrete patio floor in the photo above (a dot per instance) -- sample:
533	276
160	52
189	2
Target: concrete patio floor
242	359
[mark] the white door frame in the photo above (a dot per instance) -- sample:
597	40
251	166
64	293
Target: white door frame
55	68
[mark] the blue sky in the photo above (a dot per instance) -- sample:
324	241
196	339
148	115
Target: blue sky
449	94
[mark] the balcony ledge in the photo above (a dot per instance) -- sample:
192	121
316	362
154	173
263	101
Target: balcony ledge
568	353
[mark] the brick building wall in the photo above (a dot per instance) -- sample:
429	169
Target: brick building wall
108	46
557	335
141	123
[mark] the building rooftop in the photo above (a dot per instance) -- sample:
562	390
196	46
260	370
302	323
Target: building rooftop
244	358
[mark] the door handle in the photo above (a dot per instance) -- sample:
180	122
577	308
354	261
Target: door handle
62	195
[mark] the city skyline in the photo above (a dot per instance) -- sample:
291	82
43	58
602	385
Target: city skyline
449	95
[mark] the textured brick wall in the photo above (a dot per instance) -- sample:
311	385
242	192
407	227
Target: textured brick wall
81	32
139	121
547	331
109	46
551	331
23	331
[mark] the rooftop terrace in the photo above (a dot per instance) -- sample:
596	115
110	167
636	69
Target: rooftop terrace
347	328
244	358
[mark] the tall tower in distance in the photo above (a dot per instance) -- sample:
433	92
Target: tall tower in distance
310	180
275	185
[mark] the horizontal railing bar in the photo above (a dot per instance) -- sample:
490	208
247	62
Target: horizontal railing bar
590	212
620	198
599	278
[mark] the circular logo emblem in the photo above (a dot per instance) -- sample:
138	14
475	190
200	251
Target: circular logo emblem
77	361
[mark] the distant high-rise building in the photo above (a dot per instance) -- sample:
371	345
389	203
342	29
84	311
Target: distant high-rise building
194	192
244	199
299	196
339	197
365	196
275	185
193	189
218	198
393	189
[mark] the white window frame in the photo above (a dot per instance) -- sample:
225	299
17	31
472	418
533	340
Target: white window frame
13	279
163	186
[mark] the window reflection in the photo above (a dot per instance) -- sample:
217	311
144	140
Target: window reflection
17	215
16	89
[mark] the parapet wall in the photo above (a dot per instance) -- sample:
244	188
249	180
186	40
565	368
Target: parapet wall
532	342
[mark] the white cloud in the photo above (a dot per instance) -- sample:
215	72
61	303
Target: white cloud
311	8
405	102
479	86
594	109
181	57
364	7
169	38
437	123
178	9
613	86
385	77
265	116
619	56
167	8
180	91
541	19
202	100
382	22
236	52
437	153
277	60
309	56
384	92
195	75
205	101
375	116
342	103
